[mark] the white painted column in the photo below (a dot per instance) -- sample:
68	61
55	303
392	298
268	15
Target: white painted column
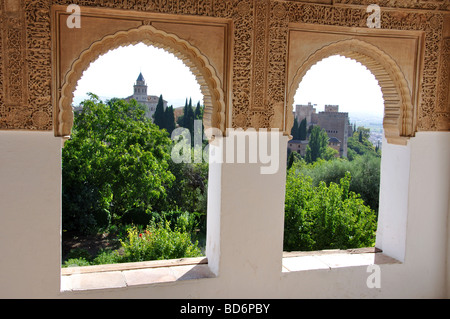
393	207
246	209
30	223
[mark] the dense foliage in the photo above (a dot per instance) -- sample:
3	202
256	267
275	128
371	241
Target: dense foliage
117	173
325	217
164	118
299	130
157	241
365	172
332	202
115	161
359	144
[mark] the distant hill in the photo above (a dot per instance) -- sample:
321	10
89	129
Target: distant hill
374	122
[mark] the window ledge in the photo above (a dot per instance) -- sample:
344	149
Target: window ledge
133	274
330	259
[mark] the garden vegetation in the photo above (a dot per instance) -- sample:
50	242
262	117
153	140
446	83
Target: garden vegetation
119	179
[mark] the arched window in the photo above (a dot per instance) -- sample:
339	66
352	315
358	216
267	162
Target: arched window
332	191
210	86
120	182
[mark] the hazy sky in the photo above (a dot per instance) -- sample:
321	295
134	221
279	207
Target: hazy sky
342	81
334	80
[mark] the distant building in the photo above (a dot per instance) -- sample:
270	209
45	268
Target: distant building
334	143
298	146
141	96
306	111
337	125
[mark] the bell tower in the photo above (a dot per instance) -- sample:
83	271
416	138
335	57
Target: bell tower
140	89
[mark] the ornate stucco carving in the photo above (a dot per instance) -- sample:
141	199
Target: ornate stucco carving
442	113
191	56
258	69
398	108
406	4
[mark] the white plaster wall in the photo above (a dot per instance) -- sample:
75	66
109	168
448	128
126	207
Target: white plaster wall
246	251
394	193
30	179
427	225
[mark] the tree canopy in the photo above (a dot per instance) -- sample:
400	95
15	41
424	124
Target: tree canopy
299	130
164	118
116	160
317	146
325	216
359	144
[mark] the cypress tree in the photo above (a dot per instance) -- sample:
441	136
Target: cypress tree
302	130
198	112
184	122
169	119
294	130
190	117
159	118
317	145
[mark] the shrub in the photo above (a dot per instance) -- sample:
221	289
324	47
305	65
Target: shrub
325	217
158	242
365	173
106	257
76	262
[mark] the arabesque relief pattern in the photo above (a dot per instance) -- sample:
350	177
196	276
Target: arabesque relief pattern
407	4
191	56
259	57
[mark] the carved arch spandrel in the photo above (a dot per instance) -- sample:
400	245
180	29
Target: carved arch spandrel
206	75
399	111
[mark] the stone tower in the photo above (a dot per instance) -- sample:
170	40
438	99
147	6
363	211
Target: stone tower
140	95
336	125
140	89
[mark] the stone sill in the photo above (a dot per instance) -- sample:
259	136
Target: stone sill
133	274
331	259
164	271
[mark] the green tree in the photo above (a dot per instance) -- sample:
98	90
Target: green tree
325	217
292	158
190	117
359	144
365	132
115	161
330	154
198	114
317	145
365	172
159	117
302	130
294	129
169	119
158	242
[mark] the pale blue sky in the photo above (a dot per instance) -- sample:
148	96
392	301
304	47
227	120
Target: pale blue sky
334	80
